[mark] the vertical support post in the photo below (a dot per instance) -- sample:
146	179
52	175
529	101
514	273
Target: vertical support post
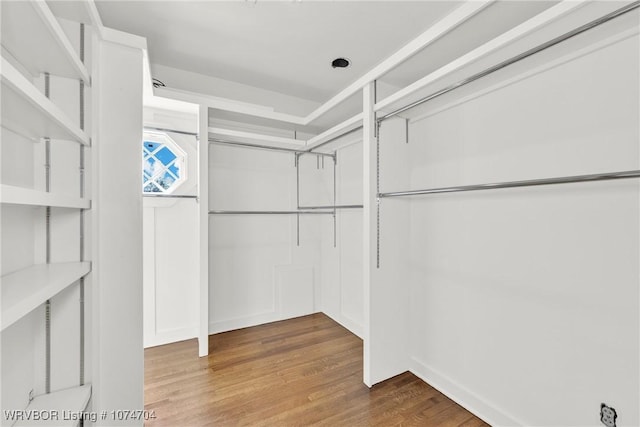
47	177
369	197
117	348
82	231
47	224
335	156
406	131
297	196
81	331
47	348
203	200
377	128
47	210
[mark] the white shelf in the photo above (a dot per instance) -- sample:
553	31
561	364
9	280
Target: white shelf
69	401
11	195
32	34
26	289
27	111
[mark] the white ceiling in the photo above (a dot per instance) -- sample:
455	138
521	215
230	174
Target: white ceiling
287	46
283	46
495	19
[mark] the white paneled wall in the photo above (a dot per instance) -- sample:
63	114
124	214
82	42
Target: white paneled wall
258	273
170	254
170	270
342	287
387	296
524	302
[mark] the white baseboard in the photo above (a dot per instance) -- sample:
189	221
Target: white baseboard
273	316
462	396
171	336
242	322
352	326
248	321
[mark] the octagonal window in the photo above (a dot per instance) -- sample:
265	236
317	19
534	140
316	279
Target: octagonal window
163	164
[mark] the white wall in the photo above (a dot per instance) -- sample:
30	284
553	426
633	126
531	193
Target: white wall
524	302
387	293
258	273
116	323
170	254
170	261
342	292
255	261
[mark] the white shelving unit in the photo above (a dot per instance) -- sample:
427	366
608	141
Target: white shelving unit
26	289
11	195
68	403
36	43
27	111
46	49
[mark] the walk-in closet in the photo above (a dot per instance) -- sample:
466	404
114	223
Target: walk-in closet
304	212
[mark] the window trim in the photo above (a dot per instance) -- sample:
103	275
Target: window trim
164	141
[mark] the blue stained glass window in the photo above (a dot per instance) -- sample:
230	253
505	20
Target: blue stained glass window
162	164
149	165
165	155
151	188
150	146
174	169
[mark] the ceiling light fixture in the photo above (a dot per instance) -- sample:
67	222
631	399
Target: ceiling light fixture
340	63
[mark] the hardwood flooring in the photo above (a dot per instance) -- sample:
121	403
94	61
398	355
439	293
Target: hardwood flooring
298	372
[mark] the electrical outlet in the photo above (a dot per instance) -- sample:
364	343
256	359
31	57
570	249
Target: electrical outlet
608	415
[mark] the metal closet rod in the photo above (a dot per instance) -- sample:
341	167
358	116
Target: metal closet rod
520	57
170	196
265	147
607	176
182	132
296	212
333	207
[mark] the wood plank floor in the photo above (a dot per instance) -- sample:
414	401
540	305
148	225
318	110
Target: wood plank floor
299	372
